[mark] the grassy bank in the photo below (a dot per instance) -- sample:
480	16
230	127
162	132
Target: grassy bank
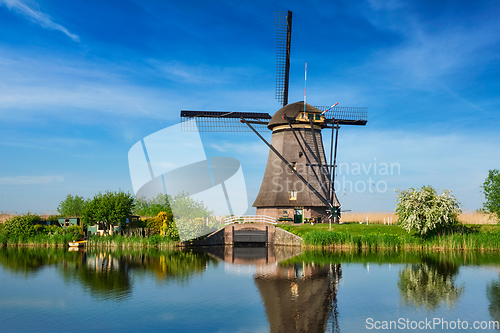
36	240
43	240
155	241
472	237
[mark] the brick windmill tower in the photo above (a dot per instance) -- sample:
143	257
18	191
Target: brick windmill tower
298	181
297	136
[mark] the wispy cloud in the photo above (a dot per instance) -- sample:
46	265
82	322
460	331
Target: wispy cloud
15	140
430	53
36	16
181	72
30	180
243	147
64	86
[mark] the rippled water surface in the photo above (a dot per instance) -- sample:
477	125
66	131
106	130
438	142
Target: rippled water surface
245	290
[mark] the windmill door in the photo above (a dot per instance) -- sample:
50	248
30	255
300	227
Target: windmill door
297	216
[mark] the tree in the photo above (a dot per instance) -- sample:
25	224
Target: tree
491	188
71	206
145	207
110	208
423	210
185	207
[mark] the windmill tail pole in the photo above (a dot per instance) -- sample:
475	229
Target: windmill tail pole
334	105
305	85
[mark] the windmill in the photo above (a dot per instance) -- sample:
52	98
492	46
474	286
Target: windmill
298	182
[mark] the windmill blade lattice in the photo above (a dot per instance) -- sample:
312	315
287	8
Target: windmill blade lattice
283	24
345	115
223	121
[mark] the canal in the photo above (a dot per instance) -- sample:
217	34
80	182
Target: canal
241	289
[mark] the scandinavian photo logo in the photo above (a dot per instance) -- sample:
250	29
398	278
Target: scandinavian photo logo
172	164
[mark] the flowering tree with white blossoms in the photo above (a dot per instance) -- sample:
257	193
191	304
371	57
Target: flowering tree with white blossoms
423	210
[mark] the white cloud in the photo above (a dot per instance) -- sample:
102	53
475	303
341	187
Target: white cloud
30	180
37	17
178	71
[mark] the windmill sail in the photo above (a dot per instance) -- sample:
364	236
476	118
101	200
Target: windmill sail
345	115
223	121
230	121
283	22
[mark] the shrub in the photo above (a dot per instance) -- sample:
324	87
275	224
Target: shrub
422	210
39	229
53	230
153	223
21	225
191	229
168	228
74	230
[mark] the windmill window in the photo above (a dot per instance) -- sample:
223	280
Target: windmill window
293	195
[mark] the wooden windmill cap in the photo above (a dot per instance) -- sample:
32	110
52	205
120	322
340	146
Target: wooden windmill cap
292	111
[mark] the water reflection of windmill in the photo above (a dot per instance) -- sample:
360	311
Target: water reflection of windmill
301	297
297	180
298	297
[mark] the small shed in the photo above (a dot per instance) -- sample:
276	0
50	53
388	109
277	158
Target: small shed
132	218
69	221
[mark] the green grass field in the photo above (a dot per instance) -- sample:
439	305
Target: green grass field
352	228
377	236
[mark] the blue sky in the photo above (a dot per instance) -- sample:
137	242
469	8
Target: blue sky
82	81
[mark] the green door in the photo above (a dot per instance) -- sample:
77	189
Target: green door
297	216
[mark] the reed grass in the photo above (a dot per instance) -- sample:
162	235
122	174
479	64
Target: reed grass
454	240
155	241
114	241
467	217
41	240
6	215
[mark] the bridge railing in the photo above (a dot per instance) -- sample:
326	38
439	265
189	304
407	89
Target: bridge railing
250	219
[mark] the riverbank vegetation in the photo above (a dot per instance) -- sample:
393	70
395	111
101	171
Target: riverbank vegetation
26	230
376	236
491	190
110	210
